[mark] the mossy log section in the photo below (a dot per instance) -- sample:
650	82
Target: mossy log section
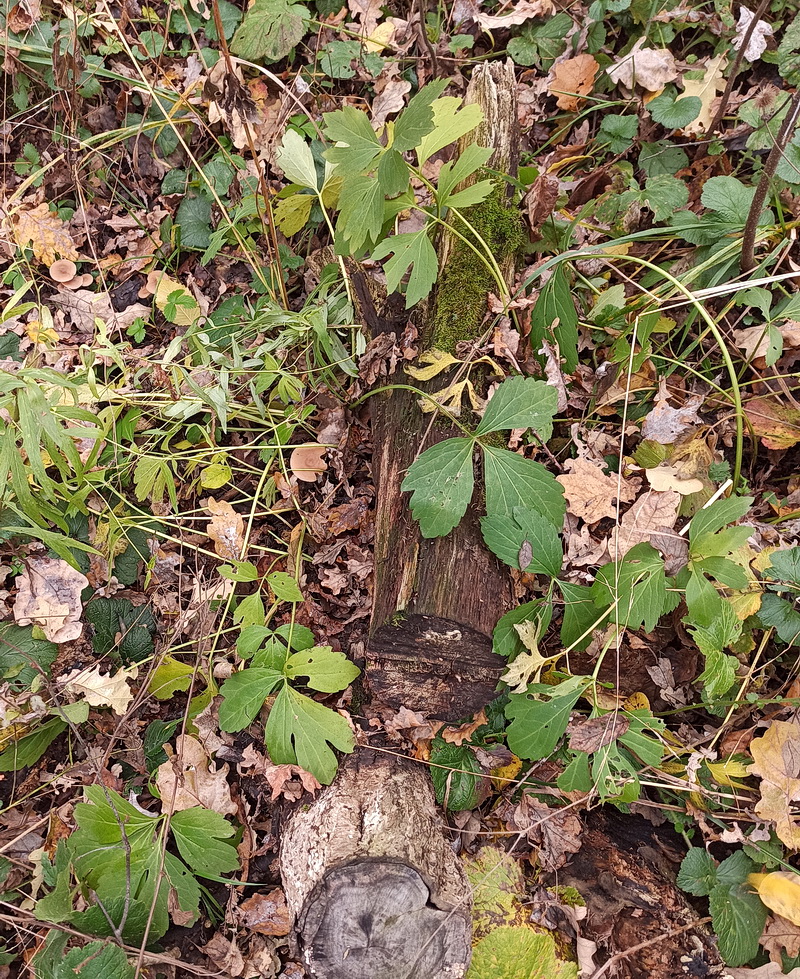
375	888
437	601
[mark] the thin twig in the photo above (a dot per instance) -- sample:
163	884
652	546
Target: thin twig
642	945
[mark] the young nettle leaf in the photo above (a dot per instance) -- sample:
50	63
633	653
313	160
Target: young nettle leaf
507	535
414	251
299	731
441	482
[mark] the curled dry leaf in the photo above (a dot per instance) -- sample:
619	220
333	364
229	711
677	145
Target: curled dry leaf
776	761
226	529
757	44
572	79
596	732
308	461
557	832
591	494
522	11
649	68
49	595
776	424
665	424
225	955
188	779
266	914
651	515
101	690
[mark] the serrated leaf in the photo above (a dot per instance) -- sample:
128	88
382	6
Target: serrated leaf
393	174
170	676
193	218
200	836
464	166
521	402
243	696
95	960
359	144
361	212
731	199
738	918
299	731
537	725
505	536
513	481
637	584
441	482
414	251
30	748
324	669
452	120
776	613
554	314
295	158
784	566
505	638
664	195
417	120
456	774
269	31
717	515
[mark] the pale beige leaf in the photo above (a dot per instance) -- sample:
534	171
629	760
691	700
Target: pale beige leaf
776	761
772	970
100	689
571	79
591	494
653	513
705	89
754	340
757	44
226	529
175	300
665	479
519	13
49	595
665	424
189	779
781	934
649	68
308	461
45	232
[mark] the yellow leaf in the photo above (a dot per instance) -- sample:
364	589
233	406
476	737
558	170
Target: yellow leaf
776	761
183	308
527	667
780	891
216	475
636	701
380	37
504	774
45	232
705	89
450	398
727	772
748	601
292	213
438	361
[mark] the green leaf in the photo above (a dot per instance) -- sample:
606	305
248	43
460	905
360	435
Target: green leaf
95	960
194	220
292	213
243	695
784	566
720	670
505	638
393	174
576	777
21	654
639	584
417	120
451	120
789	53
299	731
464	166
698	873
284	587
295	158
662	157
30	748
538	725
469	196
541	43
269	31
326	670
441	481
664	195
672	114
456	775
170	676
518	952
359	144
201	836
361	212
702	599
580	615
775	613
521	402
506	535
411	250
513	481
738	918
618	132
336	58
731	199
555	304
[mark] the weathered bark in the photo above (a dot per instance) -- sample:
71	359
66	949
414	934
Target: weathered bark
442	665
375	888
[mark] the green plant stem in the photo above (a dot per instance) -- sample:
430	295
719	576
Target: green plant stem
422	394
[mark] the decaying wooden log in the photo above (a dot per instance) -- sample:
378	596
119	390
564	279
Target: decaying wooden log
375	888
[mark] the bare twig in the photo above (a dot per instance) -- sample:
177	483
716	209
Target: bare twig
642	945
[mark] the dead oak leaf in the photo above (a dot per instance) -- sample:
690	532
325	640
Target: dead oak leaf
665	424
558	832
781	934
522	11
572	79
49	595
266	914
755	341
188	779
226	529
652	514
591	494
45	232
100	689
776	761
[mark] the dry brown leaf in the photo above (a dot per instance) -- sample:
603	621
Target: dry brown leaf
308	461
776	424
225	955
652	514
49	595
458	735
754	340
266	914
558	832
591	494
390	93
776	761
771	970
705	89
650	68
779	934
623	386
188	779
45	232
84	306
666	425
226	529
596	732
23	16
291	781
572	79
522	11
100	690
540	200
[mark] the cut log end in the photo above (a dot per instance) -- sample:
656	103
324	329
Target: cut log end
374	918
